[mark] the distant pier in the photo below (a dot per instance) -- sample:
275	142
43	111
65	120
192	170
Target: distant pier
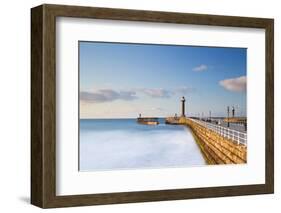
148	120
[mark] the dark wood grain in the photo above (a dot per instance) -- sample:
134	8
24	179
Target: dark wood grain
269	107
36	106
43	105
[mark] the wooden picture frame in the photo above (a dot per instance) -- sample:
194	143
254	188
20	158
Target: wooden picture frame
43	105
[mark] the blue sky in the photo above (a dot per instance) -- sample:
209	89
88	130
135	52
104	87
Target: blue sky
120	80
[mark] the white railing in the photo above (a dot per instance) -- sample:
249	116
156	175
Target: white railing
234	135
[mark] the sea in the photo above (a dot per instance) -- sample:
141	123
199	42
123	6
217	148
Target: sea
115	144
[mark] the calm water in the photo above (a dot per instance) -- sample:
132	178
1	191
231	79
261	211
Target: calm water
109	144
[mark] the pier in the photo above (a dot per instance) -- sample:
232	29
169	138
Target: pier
222	140
148	120
220	143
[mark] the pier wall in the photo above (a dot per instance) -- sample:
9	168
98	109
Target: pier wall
215	148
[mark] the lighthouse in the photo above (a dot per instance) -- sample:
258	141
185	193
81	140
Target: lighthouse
183	106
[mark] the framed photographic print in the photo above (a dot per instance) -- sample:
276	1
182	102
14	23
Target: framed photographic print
136	106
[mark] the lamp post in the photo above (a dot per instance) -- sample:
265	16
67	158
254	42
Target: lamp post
227	116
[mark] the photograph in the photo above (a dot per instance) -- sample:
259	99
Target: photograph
155	106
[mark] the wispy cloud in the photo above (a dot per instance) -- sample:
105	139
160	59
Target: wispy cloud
107	95
185	90
235	84
200	68
157	92
157	109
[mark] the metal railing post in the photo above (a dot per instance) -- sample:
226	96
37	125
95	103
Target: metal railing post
238	139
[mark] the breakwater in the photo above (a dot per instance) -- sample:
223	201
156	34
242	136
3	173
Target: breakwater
217	148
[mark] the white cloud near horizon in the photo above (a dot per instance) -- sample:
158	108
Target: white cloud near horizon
157	109
235	84
200	68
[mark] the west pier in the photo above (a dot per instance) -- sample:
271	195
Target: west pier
148	120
